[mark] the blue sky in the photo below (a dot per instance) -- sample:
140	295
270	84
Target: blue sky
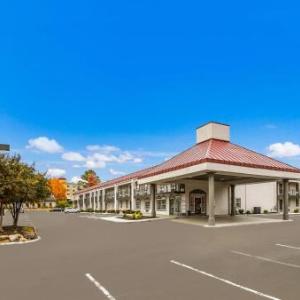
140	76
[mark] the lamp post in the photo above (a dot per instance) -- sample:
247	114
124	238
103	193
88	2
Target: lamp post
4	147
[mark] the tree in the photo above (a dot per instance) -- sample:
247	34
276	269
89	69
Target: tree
19	183
91	178
58	189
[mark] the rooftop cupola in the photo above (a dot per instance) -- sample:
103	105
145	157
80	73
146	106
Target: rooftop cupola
213	130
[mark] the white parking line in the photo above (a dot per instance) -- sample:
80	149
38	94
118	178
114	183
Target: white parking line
267	259
224	280
100	287
288	246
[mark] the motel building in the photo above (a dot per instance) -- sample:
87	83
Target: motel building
207	179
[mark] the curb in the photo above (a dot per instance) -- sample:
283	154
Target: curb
21	243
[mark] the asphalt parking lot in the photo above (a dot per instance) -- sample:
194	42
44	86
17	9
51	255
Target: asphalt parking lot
84	258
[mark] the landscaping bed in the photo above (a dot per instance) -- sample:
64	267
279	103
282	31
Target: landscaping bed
21	234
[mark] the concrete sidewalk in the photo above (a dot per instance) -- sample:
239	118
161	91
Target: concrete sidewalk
227	221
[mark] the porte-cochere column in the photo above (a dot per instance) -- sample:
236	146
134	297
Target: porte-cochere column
286	199
211	199
232	200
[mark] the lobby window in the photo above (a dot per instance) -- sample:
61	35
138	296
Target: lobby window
138	204
161	204
238	202
147	206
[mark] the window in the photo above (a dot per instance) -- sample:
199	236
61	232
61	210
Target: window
161	204
138	204
297	201
238	202
147	206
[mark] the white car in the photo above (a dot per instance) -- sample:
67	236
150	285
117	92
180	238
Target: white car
71	210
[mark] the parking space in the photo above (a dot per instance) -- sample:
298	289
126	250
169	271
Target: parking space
81	258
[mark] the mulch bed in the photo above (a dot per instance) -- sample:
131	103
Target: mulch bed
24	232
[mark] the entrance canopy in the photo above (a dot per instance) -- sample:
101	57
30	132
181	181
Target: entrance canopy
231	163
212	153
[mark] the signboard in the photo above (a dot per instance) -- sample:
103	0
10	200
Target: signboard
4	147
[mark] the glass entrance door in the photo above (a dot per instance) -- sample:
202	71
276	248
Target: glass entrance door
199	203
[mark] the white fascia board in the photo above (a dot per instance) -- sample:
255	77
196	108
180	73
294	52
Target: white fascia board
107	187
177	174
253	172
232	170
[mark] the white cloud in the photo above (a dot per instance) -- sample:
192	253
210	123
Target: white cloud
93	163
103	148
287	149
44	144
116	173
73	156
137	160
100	160
76	179
56	172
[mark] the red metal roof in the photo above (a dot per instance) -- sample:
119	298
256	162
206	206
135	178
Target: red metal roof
214	151
122	179
223	152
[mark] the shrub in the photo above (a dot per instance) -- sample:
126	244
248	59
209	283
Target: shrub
241	211
266	211
128	211
137	215
296	210
248	212
62	204
131	214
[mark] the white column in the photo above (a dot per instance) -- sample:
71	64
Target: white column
211	200
132	196
83	202
115	197
232	200
98	200
103	200
90	200
153	202
286	199
94	200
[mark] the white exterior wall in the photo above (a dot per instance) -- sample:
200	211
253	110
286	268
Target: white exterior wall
213	131
221	194
263	195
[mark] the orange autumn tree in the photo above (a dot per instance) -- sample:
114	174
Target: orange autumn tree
58	188
91	178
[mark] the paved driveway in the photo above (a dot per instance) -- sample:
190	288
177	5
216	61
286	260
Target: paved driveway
151	260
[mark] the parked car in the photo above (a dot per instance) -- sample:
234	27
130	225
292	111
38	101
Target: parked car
56	209
69	210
